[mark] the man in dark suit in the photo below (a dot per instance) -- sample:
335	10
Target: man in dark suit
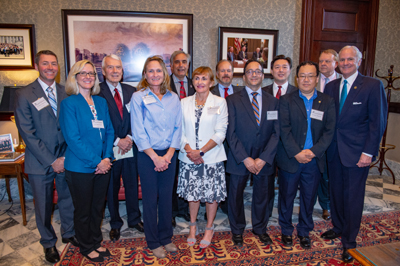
179	68
242	55
257	54
230	55
307	124
361	117
118	97
253	135
36	115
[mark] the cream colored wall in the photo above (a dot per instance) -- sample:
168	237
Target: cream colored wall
7	127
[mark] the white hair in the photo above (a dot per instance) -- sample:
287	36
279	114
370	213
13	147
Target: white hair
355	49
113	56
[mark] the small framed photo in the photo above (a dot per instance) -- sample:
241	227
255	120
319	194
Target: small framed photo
17	46
6	144
242	44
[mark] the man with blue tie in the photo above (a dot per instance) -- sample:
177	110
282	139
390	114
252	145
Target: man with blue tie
230	56
253	135
118	97
361	117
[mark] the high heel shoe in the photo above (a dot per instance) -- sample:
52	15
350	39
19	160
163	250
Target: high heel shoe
192	241
205	243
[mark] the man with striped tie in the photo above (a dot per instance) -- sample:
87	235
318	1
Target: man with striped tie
36	116
253	135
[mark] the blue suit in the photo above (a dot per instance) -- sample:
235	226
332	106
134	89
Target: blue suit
359	129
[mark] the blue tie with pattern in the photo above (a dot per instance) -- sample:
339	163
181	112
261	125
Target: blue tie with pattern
343	96
52	100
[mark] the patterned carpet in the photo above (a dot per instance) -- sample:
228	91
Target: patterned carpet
376	229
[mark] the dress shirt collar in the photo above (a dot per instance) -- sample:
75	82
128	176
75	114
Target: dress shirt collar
119	88
250	91
176	80
222	89
350	81
332	77
305	98
283	89
45	86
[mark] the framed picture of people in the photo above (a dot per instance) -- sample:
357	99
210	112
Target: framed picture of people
133	36
17	46
242	44
6	143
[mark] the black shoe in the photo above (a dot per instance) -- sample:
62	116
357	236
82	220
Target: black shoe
305	242
97	259
51	255
71	240
115	233
346	257
104	253
185	216
173	222
237	240
287	240
139	226
264	238
330	234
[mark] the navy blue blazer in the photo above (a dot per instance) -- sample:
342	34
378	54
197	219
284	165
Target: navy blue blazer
293	129
360	125
246	138
86	148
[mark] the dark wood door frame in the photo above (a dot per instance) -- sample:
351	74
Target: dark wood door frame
307	34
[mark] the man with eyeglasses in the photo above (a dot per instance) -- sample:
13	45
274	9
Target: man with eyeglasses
307	123
253	135
118	96
36	116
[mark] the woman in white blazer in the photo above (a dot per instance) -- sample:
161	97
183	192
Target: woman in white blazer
202	154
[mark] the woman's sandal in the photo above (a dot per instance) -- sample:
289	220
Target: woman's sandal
205	243
192	241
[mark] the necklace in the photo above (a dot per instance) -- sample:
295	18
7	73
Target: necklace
198	106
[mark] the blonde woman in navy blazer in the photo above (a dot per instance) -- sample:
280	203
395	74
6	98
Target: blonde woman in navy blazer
88	131
202	154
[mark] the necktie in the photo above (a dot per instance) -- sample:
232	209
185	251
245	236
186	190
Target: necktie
343	96
118	101
52	100
326	82
256	108
226	92
279	92
182	92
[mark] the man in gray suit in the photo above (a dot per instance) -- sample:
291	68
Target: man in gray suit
328	61
36	116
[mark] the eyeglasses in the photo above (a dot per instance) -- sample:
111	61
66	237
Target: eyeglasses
251	72
307	77
91	74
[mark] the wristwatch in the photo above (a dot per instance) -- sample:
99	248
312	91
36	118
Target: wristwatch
201	153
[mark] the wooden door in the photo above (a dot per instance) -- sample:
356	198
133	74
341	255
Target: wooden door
332	24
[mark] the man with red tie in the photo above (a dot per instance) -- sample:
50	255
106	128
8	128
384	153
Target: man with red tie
118	97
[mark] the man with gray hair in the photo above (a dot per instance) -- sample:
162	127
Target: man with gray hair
180	83
361	117
118	97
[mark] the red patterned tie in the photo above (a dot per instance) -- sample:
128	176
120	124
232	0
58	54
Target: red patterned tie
226	92
182	92
278	94
118	101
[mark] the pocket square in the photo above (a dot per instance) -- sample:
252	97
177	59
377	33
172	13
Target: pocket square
357	103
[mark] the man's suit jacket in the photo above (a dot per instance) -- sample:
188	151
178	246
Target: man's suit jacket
191	89
215	90
319	81
293	129
87	145
270	89
246	138
39	129
255	55
360	125
241	57
228	56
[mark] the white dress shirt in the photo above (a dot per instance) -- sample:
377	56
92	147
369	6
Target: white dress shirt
283	89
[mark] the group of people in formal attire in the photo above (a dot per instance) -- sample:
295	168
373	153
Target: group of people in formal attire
195	142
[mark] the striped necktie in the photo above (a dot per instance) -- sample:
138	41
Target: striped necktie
343	96
182	92
52	100
256	108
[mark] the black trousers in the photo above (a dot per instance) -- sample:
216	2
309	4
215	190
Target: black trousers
88	192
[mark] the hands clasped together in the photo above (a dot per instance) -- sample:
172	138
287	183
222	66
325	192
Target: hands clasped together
193	155
103	167
305	156
254	166
124	145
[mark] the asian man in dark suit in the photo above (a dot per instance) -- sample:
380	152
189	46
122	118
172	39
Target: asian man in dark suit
361	117
118	97
36	115
307	124
253	135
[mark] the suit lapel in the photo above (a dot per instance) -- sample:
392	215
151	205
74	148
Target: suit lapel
300	103
263	108
38	91
110	99
192	108
215	90
247	106
353	92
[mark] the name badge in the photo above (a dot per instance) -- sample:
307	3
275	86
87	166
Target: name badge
128	107
148	99
315	114
97	123
40	103
272	115
214	110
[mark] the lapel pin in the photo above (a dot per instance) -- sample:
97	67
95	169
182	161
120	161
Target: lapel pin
355	87
319	101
